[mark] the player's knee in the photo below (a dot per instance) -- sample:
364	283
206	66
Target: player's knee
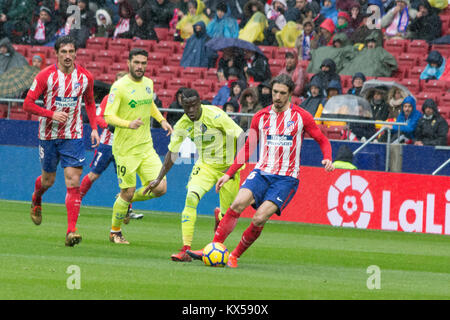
192	199
259	221
47	181
238	206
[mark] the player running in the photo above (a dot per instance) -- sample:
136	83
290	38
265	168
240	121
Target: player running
103	155
129	108
216	137
279	131
64	85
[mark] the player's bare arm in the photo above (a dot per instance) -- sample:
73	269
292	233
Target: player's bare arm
224	179
167	127
169	160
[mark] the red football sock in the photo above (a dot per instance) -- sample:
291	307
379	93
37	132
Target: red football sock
73	201
226	225
38	190
86	184
248	237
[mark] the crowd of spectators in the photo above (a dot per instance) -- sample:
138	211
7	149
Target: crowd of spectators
334	37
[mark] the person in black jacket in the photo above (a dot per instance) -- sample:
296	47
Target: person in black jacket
431	129
257	67
161	13
45	28
142	26
327	74
426	25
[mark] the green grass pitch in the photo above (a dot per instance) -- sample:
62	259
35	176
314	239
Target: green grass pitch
288	261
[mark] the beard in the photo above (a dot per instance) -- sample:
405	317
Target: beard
136	76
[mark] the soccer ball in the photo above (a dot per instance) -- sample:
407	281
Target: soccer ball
215	254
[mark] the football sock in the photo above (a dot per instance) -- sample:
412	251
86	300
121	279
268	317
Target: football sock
120	210
226	225
248	237
38	190
188	218
139	195
86	184
73	201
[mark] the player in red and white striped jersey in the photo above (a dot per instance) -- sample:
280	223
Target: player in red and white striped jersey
279	131
64	86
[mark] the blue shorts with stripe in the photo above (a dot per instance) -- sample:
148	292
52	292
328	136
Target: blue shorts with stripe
70	152
278	189
102	158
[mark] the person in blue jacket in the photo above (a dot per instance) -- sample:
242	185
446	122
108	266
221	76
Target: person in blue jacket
411	116
223	25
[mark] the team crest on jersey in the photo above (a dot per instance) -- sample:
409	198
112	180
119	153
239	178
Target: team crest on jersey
203	128
149	91
111	98
290	123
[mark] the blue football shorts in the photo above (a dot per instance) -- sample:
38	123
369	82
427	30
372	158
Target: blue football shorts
102	158
70	152
278	189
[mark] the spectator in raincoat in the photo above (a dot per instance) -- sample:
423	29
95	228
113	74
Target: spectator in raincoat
253	31
436	65
9	57
325	36
411	116
195	14
295	71
223	25
427	25
195	53
373	60
431	129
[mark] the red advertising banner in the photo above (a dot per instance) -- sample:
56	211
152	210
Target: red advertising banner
369	200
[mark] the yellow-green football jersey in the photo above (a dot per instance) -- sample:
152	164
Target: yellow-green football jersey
130	100
214	135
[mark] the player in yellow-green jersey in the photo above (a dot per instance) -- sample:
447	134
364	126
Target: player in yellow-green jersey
130	106
216	137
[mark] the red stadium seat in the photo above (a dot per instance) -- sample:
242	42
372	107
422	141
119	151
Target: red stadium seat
169	71
412	84
444	49
280	53
408	59
162	33
117	66
422	96
204	85
415	72
3	110
166	94
22	49
176	83
159	83
417	46
174	59
106	77
268	51
96	67
445	99
46	51
444	111
86	54
434	86
109	56
119	44
97	43
193	73
211	74
395	46
144	44
167	47
19	114
156	58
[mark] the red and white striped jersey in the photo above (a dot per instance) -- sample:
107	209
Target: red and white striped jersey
62	92
107	136
280	138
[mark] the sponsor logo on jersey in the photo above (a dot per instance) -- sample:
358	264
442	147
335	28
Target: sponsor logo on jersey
279	140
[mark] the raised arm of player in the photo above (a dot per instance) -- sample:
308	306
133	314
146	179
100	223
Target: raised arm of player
325	146
29	105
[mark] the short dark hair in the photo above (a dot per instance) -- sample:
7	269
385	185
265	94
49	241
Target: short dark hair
63	41
222	6
137	52
284	79
188	93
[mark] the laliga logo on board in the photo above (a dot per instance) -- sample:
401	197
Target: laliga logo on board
350	203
